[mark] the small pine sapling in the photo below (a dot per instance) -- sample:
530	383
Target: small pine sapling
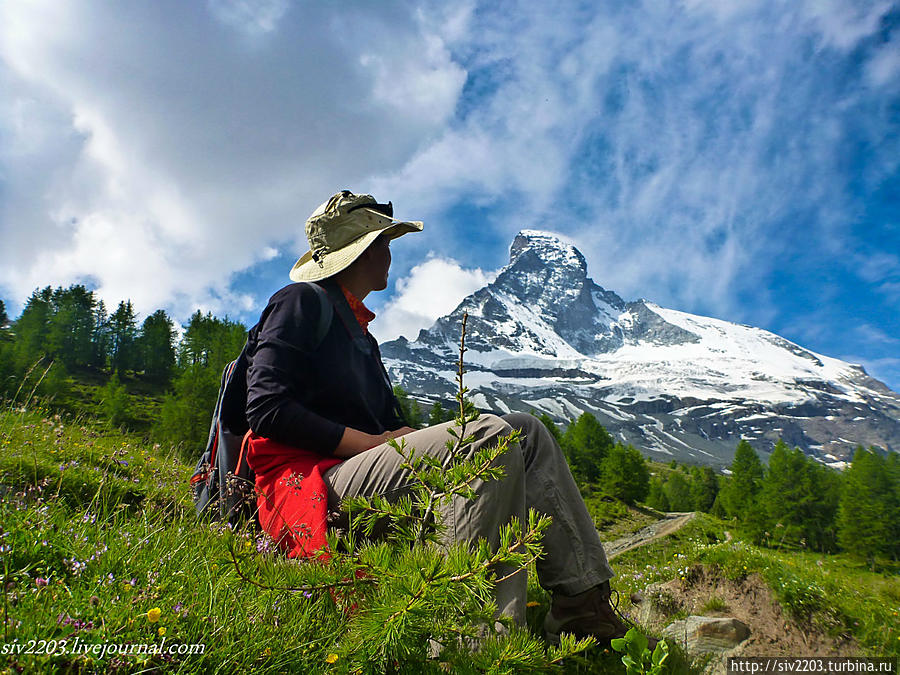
405	598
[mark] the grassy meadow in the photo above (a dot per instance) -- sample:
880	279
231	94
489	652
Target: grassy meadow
99	544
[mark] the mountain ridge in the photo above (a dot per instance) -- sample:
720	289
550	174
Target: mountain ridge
544	336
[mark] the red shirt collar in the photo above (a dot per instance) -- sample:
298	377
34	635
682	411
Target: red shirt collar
362	313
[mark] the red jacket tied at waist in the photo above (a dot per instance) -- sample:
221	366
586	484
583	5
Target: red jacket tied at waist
293	497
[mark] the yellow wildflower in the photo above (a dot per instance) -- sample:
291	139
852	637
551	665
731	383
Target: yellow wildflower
154	614
331	658
161	631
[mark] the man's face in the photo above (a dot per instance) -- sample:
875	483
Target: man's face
379	254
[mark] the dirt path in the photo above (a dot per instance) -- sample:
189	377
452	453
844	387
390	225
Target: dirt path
668	525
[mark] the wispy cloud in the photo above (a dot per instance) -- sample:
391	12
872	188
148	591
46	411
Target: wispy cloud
431	290
725	158
254	17
155	154
874	334
689	148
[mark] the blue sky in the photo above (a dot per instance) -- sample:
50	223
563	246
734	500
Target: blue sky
739	160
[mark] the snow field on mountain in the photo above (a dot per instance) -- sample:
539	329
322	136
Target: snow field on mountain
544	336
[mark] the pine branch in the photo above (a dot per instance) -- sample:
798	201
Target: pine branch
306	588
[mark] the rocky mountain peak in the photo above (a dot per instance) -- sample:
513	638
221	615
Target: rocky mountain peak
543	336
543	270
536	247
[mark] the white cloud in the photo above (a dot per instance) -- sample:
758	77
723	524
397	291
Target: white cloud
884	66
869	333
165	155
268	253
843	24
253	17
692	150
877	266
679	144
402	84
431	290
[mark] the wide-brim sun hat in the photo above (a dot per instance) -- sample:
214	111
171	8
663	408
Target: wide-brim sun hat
339	230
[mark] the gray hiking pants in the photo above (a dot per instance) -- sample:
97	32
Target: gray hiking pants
535	476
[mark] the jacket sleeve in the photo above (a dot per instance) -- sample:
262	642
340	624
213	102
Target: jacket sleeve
279	365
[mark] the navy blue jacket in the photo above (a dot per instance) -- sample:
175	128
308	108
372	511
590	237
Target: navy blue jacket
305	395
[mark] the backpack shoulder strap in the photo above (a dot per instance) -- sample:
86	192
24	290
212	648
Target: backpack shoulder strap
325	315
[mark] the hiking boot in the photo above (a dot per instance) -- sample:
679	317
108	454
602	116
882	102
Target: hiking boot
587	614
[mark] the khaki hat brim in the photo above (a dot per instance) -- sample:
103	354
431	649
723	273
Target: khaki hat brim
307	269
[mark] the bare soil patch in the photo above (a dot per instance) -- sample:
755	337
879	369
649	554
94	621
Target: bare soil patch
706	592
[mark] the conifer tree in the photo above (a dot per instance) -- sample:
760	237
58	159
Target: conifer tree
208	344
585	445
548	422
113	401
656	497
69	326
800	496
739	494
893	472
7	355
822	495
717	509
704	488
412	412
678	492
100	337
864	513
436	414
782	492
31	328
624	474
123	333
156	347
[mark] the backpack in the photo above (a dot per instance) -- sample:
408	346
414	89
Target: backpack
223	482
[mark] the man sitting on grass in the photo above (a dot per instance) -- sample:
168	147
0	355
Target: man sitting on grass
322	411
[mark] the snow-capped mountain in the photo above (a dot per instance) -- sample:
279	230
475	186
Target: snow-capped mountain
543	336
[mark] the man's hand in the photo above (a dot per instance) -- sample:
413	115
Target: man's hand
402	431
354	441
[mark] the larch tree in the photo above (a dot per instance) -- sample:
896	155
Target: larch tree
864	513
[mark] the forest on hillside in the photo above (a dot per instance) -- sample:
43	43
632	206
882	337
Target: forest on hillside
67	335
149	376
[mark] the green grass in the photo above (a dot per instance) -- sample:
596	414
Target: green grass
78	394
614	519
715	604
834	593
100	544
98	529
